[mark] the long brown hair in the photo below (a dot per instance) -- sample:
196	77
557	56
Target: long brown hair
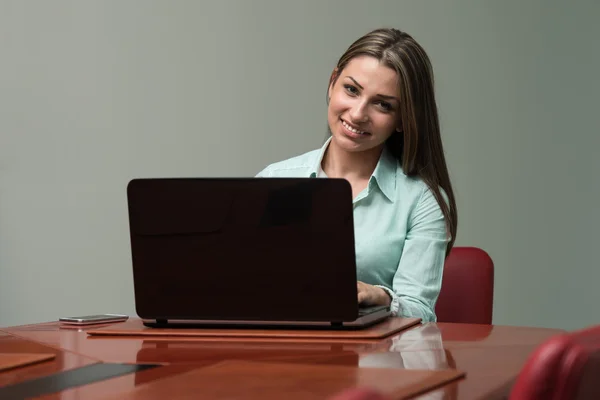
419	146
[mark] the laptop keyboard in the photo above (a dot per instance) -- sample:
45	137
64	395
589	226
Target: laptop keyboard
365	310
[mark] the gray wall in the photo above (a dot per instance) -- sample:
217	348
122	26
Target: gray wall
94	93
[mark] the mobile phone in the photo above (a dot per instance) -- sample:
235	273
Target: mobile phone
93	319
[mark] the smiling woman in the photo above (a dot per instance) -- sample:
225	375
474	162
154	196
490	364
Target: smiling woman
385	141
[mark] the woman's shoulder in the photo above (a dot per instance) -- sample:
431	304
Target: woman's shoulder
414	191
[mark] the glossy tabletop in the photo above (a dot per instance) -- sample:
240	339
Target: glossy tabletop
491	356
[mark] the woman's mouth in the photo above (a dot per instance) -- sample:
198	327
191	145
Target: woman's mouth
353	130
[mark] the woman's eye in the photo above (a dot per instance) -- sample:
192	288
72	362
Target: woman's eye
351	89
385	106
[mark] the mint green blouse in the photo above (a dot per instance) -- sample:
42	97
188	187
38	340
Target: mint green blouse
400	232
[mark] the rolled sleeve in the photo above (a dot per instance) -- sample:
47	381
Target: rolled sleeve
418	279
395	300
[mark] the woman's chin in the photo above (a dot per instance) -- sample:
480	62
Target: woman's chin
343	142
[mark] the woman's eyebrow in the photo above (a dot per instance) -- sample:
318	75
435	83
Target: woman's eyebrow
383	96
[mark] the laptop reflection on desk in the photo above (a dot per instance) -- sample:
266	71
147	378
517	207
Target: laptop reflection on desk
199	351
245	252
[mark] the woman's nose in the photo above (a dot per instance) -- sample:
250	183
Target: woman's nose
358	113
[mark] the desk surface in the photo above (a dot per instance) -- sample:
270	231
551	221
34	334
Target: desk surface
491	356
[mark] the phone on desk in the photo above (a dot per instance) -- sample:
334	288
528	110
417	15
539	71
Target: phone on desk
93	319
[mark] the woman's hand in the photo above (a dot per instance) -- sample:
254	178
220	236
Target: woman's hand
370	295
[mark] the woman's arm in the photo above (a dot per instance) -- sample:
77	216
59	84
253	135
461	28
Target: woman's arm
418	279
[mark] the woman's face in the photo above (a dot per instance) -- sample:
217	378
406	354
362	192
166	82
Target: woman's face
364	105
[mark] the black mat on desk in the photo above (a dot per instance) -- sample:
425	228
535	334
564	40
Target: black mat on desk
68	379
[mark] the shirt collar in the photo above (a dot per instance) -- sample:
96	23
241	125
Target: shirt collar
384	175
315	167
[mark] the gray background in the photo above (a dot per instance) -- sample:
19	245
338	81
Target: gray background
94	93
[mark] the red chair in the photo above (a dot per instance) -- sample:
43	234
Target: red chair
565	367
467	294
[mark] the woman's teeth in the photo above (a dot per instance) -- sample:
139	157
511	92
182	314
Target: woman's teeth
351	129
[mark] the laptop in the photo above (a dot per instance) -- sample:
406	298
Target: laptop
245	252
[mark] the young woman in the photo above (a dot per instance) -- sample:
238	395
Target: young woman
385	140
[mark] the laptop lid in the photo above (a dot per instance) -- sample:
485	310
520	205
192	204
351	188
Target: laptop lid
243	249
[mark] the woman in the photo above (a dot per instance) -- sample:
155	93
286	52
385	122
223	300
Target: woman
385	140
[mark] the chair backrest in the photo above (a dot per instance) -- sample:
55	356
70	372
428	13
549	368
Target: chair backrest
467	294
565	367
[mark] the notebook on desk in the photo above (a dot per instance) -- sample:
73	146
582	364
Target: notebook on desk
245	252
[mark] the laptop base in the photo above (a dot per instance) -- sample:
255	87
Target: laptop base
375	316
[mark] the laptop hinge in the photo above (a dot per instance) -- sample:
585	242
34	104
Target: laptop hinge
162	321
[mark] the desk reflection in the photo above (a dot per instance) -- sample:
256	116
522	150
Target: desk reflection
207	352
419	348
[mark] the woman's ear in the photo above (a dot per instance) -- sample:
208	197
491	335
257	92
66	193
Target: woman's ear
399	128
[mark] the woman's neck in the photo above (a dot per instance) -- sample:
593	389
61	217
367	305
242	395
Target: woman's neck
339	163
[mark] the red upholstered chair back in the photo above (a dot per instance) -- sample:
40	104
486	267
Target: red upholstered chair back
565	367
467	294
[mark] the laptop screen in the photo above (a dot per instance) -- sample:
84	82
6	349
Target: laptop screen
268	249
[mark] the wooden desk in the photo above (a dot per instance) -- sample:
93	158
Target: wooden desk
491	356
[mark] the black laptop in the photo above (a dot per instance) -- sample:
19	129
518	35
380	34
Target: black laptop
245	252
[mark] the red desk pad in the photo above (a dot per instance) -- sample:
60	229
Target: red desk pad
16	360
134	327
